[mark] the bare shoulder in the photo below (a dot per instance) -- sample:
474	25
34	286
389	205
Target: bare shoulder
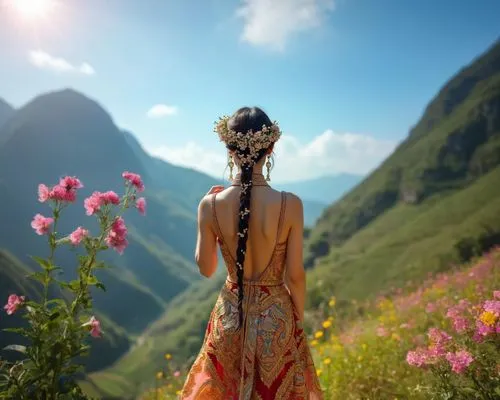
294	205
205	206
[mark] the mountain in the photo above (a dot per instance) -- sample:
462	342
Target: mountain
65	133
433	203
6	111
317	193
325	189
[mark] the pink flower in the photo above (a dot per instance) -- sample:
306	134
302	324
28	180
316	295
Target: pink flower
117	236
41	224
496	294
93	203
438	337
141	205
177	374
417	358
43	193
77	235
13	303
95	327
134	179
430	308
110	197
459	361
65	190
382	331
492	306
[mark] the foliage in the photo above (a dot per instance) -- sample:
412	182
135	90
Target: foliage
457	360
57	327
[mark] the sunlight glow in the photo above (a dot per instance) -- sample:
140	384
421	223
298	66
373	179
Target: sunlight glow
32	9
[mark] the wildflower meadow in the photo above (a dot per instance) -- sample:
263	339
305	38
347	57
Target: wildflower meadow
57	329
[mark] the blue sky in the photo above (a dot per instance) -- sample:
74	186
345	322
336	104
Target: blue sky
346	79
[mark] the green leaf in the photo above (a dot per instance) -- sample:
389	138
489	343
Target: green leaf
38	276
101	286
54	315
92	280
16	347
42	262
20	331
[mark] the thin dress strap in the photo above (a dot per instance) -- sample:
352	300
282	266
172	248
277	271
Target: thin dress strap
282	216
216	221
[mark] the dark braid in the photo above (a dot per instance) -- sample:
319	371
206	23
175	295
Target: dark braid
245	120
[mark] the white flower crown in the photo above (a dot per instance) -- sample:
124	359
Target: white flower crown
248	145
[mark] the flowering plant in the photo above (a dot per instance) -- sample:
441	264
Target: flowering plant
57	328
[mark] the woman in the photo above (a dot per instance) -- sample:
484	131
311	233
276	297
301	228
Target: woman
254	345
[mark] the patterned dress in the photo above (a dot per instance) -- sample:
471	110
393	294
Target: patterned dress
268	358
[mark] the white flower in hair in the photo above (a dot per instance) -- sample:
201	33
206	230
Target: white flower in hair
250	144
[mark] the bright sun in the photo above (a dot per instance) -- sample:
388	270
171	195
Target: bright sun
32	9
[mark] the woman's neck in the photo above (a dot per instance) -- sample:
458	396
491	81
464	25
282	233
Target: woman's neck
258	179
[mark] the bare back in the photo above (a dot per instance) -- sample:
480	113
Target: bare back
268	206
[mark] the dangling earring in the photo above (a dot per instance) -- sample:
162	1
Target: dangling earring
268	166
230	163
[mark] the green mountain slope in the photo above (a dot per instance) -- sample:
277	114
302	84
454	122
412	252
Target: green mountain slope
460	143
66	133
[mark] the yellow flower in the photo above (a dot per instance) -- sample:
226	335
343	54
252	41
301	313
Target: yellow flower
178	393
332	301
159	375
168	356
327	361
488	318
396	337
318	334
318	372
314	342
364	346
327	324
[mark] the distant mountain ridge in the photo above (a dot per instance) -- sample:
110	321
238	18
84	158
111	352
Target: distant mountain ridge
6	111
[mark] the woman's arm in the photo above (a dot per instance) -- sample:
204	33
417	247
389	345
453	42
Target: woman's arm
295	275
206	244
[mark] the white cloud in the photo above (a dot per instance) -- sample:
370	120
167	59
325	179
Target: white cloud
270	23
162	110
44	60
328	153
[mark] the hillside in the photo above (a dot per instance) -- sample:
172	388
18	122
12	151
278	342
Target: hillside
6	111
66	133
459	144
433	203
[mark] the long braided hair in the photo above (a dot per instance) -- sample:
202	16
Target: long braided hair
245	120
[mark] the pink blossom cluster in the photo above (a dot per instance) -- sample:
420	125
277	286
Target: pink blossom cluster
65	190
134	179
438	350
13	303
488	320
460	315
94	203
117	235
